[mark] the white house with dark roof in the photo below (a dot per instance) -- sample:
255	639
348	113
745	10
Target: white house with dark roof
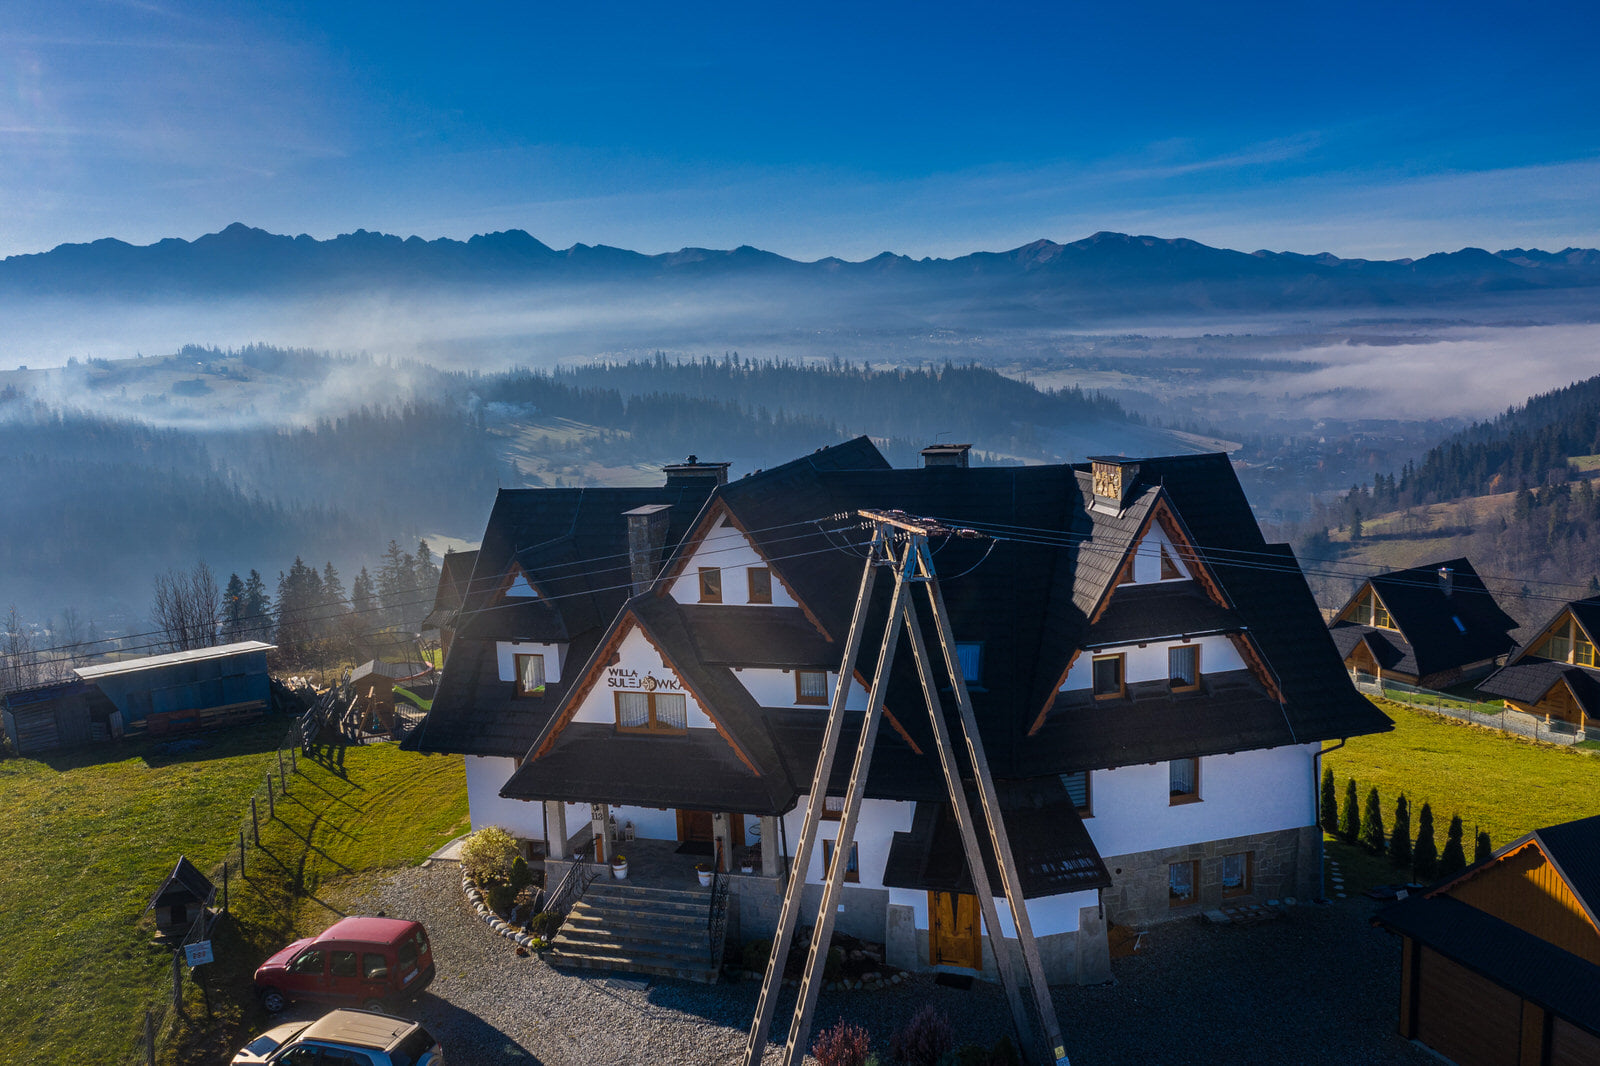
1151	679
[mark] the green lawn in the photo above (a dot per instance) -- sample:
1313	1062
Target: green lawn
350	811
89	841
1503	784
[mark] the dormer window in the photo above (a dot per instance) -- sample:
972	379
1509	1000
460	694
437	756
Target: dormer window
1169	569
1183	667
530	675
1368	610
970	658
710	584
1108	683
811	686
760	579
1567	644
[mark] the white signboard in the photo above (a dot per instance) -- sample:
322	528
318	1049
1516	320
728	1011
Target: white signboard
198	953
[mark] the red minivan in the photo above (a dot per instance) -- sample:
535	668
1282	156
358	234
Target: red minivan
372	962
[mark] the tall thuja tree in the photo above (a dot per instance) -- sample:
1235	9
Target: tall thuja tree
1372	823
1482	850
1400	835
1330	802
1350	816
1426	858
233	610
1453	859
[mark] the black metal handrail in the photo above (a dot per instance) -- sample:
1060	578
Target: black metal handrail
717	916
571	887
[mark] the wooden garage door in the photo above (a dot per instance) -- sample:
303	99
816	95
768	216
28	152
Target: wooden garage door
1465	1016
1571	1046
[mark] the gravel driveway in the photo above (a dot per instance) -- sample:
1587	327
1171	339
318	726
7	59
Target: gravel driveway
1316	986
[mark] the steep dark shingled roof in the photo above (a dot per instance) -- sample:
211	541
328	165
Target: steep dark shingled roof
1149	612
185	882
1535	969
1527	680
1425	615
455	578
1389	648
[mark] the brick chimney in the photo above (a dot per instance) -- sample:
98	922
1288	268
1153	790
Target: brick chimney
1447	580
945	455
693	472
647	535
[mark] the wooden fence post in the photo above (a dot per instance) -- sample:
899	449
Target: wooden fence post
241	853
272	810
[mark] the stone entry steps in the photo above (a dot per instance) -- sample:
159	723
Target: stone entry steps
659	931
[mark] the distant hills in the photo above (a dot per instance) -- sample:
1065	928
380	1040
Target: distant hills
1105	273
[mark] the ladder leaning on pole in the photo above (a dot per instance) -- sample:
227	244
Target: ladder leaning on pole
900	543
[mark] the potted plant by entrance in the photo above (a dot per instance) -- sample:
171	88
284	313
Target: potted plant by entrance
703	871
619	867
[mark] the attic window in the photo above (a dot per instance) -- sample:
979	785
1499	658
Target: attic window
1169	569
1567	644
710	584
1368	610
1183	667
1108	677
530	675
518	586
811	686
970	658
760	578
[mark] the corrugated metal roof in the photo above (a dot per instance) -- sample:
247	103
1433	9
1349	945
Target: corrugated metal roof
155	662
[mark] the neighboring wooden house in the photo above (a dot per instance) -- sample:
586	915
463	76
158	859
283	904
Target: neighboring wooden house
664	657
1432	626
186	689
455	574
62	714
1557	674
1500	966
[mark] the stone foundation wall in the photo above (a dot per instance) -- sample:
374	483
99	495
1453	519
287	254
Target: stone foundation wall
1284	863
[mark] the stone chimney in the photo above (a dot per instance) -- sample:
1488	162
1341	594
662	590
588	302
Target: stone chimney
1113	479
692	472
1447	580
647	535
945	455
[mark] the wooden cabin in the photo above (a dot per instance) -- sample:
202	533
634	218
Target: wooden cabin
1432	626
62	714
1501	965
182	899
373	683
1557	676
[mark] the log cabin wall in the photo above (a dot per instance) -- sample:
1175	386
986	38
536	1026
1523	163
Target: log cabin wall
1525	890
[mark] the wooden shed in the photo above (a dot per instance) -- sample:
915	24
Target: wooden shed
1500	966
184	690
62	714
372	684
182	899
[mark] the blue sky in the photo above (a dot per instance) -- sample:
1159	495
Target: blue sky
810	129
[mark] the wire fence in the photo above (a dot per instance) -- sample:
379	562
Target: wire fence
1489	715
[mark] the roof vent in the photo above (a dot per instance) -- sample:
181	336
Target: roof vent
945	455
1113	478
1447	580
693	472
647	535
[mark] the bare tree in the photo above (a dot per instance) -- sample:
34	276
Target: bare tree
19	658
187	607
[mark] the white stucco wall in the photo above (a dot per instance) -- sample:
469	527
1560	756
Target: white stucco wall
875	828
776	688
1247	792
506	652
649	823
637	659
731	551
486	776
1149	663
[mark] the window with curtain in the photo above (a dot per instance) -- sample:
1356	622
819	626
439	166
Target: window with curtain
1183	779
1181	883
852	867
760	580
530	675
652	712
1236	874
710	584
811	686
1183	666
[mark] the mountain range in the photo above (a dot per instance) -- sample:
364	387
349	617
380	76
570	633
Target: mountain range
1106	272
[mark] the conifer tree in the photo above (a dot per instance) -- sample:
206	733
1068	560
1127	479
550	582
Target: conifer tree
1372	823
1330	802
1400	835
1426	857
233	626
364	598
426	573
1453	859
1481	848
1350	816
257	608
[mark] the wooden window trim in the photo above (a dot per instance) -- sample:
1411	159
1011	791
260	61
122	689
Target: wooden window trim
1197	668
811	701
758	595
1194	885
1178	799
652	725
516	668
1169	569
851	877
1122	676
1247	886
710	584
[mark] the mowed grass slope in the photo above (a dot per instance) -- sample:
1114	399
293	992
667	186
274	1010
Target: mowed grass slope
348	811
89	836
1500	783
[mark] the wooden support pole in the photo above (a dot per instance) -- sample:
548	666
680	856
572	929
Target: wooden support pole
822	932
794	890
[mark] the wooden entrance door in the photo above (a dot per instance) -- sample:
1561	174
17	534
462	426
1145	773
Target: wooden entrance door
695	826
954	933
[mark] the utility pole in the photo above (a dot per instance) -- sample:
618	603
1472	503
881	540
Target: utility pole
900	544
